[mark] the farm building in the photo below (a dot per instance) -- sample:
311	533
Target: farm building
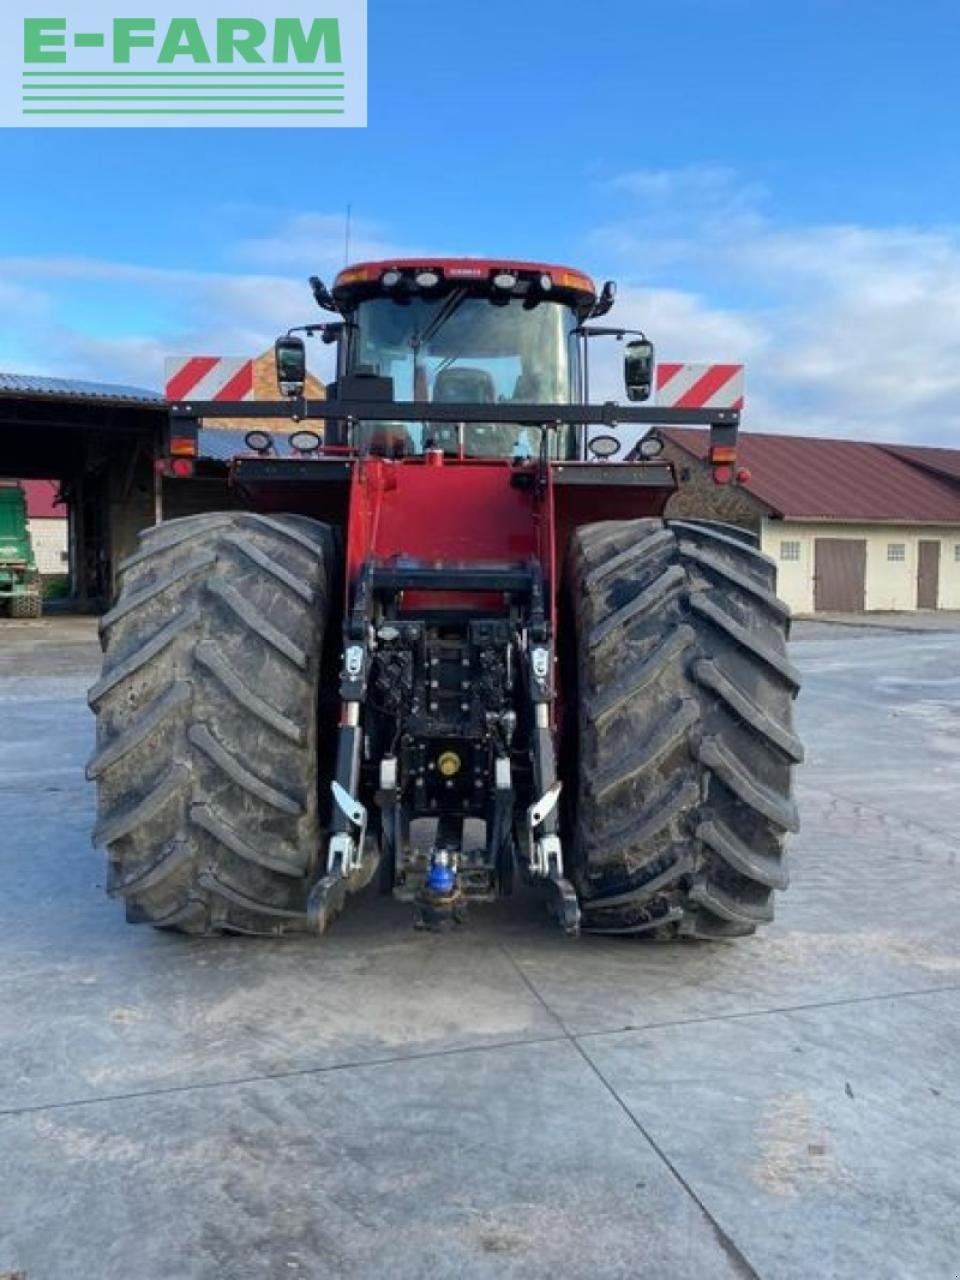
47	522
853	526
96	445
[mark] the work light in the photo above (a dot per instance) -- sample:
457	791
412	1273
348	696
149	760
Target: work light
258	441
304	441
427	279
604	446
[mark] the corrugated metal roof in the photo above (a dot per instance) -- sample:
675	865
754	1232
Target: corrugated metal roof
943	462
19	384
808	478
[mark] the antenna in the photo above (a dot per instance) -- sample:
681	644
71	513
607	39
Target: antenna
346	237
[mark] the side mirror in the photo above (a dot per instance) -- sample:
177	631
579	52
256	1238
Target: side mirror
638	369
291	357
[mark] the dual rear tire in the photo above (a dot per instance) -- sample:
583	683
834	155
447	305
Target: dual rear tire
207	735
683	738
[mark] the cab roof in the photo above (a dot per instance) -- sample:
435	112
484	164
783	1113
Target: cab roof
466	270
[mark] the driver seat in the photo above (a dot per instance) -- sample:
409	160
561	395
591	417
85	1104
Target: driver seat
460	386
464	386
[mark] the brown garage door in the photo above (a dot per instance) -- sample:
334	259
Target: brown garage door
840	575
928	575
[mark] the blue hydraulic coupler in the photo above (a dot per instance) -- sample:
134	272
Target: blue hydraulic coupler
440	902
440	880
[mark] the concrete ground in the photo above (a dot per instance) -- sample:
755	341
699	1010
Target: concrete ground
499	1102
923	620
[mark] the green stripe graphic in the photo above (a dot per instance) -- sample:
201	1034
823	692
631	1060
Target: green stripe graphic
263	74
189	97
181	111
165	88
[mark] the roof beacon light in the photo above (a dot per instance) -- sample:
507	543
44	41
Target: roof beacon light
304	441
427	279
258	441
390	279
505	280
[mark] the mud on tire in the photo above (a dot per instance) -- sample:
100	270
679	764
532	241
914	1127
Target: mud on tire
683	742
206	756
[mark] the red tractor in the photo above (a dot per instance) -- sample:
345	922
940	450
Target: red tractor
441	645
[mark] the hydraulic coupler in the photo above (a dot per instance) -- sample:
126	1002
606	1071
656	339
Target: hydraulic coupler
440	902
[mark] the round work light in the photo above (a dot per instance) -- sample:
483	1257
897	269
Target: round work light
651	447
304	441
604	446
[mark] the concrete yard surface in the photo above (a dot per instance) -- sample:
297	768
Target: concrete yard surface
500	1101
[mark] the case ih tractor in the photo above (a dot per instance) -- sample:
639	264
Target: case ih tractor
437	615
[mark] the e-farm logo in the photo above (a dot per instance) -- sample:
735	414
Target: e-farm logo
103	63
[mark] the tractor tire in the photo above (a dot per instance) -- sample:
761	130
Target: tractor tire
682	753
28	605
207	723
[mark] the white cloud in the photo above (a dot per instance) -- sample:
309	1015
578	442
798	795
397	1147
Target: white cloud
847	330
316	244
57	311
49	326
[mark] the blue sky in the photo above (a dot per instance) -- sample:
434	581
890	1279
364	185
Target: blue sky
769	181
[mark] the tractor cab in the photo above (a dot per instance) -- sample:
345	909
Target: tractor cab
456	331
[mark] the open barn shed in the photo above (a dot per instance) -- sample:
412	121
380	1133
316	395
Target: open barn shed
98	443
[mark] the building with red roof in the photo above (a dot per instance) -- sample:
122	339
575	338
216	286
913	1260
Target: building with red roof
853	525
47	521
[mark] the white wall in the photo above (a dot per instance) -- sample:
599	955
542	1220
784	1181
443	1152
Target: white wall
890	585
49	538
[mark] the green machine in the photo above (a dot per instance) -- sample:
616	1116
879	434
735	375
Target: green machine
19	579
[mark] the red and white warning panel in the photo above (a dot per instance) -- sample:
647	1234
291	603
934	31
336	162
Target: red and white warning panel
678	386
208	378
700	386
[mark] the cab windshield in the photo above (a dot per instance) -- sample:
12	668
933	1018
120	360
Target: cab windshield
461	348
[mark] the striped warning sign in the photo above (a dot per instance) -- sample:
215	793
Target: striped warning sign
700	386
209	378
